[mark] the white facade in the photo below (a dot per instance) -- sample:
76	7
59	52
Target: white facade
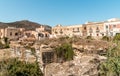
112	27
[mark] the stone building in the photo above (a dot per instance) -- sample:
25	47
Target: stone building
44	29
12	33
42	32
112	26
38	34
95	29
73	30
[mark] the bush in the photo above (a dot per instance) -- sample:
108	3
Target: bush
7	46
106	38
65	52
89	37
13	67
111	67
117	37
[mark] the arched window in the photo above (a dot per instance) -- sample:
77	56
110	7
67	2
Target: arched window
106	26
10	33
97	30
85	28
90	30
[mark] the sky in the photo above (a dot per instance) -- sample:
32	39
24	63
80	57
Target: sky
64	12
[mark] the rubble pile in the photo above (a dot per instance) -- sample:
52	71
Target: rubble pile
81	65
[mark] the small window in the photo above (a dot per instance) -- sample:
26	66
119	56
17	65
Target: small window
90	30
106	27
10	33
114	26
102	34
97	34
90	34
97	30
84	28
16	34
60	29
56	32
73	29
77	29
46	35
41	35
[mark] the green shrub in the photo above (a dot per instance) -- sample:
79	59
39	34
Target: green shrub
111	67
106	38
7	46
89	37
117	37
65	52
14	67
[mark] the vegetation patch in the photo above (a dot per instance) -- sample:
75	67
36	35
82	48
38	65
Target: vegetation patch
14	67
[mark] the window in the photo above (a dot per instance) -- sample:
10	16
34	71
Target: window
56	32
90	34
90	30
111	33
102	34
77	29
73	29
60	31
84	28
106	26
40	34
97	30
10	33
97	34
114	26
47	57
46	35
16	34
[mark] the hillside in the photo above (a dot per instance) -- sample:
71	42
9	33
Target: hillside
28	25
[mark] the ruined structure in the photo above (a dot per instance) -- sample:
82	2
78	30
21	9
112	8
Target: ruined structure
12	33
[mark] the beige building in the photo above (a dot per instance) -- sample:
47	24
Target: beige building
42	32
112	26
95	29
44	29
73	30
12	33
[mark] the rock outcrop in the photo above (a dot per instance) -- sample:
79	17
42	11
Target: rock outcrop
81	65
